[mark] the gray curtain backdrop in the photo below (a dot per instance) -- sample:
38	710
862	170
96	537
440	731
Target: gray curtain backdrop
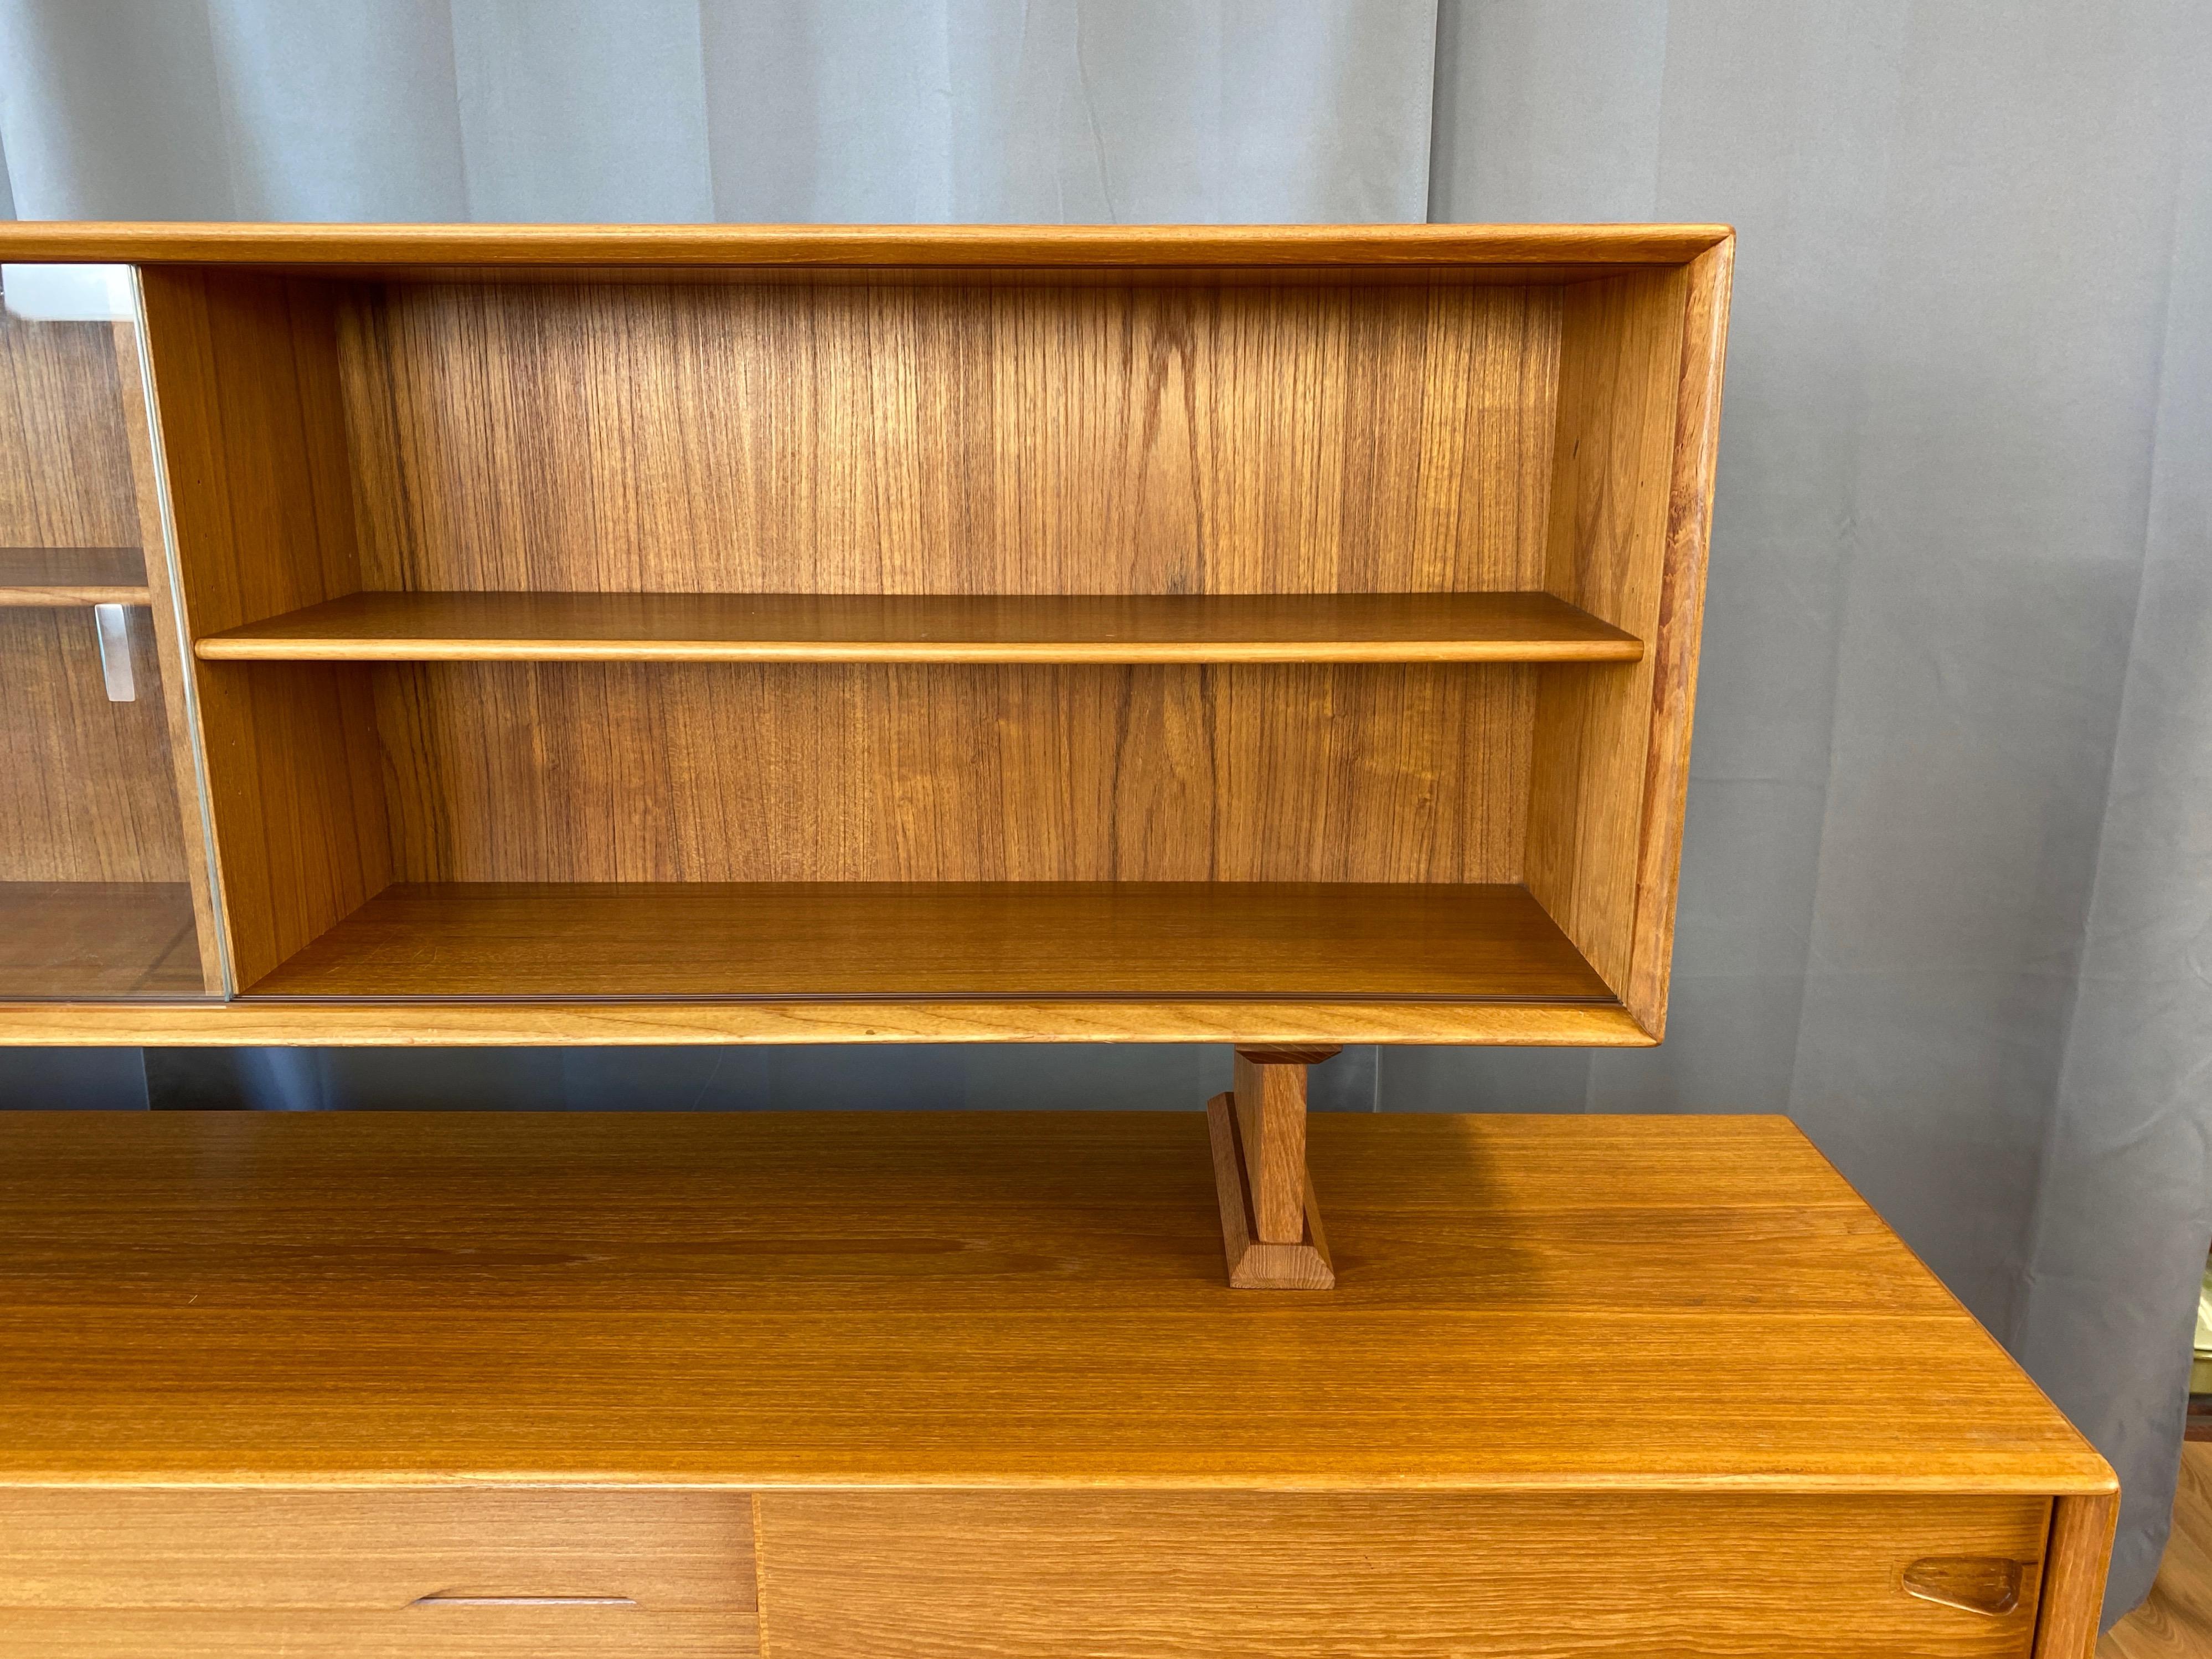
1947	896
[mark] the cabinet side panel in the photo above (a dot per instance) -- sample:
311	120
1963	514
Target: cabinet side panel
1226	1575
245	375
739	772
2080	1556
1673	649
954	437
1619	361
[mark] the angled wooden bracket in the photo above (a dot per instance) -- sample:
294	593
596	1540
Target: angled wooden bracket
1270	1227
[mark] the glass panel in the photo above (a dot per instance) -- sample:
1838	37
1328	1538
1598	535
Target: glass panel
103	849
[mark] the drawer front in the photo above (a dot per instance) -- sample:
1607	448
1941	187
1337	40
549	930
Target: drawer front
547	1573
1236	1575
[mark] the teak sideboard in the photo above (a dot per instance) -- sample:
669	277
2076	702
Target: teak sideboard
600	634
968	1386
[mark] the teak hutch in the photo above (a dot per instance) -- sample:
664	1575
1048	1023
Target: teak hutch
1277	636
1280	636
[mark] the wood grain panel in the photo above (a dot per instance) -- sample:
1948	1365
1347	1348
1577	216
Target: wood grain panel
983	438
1302	1264
244	379
64	472
2080	1553
997	941
98	939
615	1023
1269	1100
1619	367
485	1574
753	1299
383	627
1675	635
87	792
1249	1575
952	245
612	772
148	1549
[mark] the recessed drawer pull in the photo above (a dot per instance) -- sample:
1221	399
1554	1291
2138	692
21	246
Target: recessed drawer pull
450	1601
1979	1583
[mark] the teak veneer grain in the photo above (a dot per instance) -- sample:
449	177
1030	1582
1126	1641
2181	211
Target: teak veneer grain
949	772
1110	437
525	627
65	482
86	790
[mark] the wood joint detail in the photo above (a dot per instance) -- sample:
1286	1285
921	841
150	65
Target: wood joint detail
1270	1228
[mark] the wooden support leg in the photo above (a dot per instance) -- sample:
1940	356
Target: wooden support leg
1270	1228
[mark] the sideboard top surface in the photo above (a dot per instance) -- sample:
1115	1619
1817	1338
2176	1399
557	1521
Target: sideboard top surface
755	1300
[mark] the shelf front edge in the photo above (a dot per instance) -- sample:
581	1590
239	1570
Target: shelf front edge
263	648
258	1023
1074	629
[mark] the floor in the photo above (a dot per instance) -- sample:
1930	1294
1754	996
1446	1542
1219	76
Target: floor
2177	1621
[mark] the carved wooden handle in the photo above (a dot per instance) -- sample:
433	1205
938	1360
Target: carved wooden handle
1979	1583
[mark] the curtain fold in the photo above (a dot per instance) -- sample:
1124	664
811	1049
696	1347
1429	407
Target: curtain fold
1948	891
701	110
1947	895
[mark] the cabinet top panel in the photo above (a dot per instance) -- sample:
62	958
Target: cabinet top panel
1537	252
925	1298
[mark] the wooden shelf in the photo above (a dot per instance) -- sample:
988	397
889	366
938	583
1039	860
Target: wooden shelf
72	575
98	939
996	941
387	626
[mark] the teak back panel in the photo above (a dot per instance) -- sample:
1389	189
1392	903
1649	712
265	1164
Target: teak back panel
85	787
244	371
64	467
659	772
953	436
961	436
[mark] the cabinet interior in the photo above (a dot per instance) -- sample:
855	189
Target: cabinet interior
1190	632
